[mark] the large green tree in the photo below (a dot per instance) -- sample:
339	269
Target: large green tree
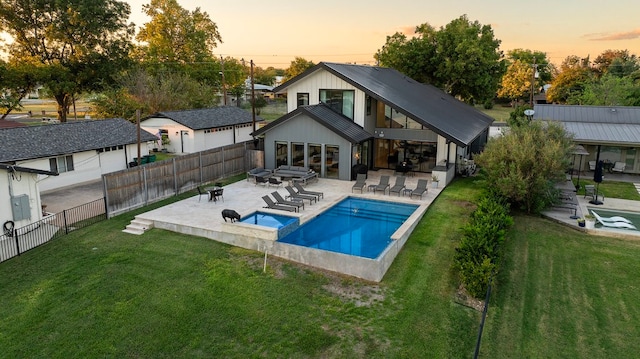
462	58
523	164
527	71
17	80
297	66
568	85
78	44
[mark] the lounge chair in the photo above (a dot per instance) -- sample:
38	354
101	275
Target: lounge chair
398	186
611	219
421	188
383	185
262	180
619	167
606	223
280	200
301	190
293	194
272	205
360	182
592	165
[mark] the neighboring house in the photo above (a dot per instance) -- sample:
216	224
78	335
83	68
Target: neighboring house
20	202
608	133
79	151
342	115
192	131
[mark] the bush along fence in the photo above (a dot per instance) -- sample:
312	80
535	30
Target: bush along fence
15	241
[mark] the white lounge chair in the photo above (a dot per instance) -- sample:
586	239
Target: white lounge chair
619	167
612	218
606	223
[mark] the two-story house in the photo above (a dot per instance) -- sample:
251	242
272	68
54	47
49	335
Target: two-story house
343	115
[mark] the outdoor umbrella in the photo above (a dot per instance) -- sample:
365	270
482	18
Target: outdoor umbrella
597	178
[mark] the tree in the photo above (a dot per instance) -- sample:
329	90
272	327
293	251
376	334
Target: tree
17	80
617	62
568	85
609	90
523	164
462	58
298	66
175	35
516	82
79	45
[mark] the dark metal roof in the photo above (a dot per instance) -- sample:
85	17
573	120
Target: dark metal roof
206	118
23	143
336	122
595	124
426	104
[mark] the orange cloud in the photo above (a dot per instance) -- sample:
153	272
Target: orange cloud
633	34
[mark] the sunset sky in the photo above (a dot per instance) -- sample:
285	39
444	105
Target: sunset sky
272	33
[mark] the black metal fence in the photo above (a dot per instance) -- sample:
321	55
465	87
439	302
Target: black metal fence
16	241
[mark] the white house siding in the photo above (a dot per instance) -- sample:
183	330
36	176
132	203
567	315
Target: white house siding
324	80
175	132
20	184
302	129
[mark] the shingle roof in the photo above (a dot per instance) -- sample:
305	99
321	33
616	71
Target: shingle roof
424	103
23	143
206	118
338	123
595	124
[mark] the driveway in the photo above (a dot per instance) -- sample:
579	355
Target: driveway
72	196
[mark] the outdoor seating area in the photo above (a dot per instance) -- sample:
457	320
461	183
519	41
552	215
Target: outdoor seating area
258	172
296	174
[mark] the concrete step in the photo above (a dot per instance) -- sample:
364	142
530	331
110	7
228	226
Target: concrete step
138	226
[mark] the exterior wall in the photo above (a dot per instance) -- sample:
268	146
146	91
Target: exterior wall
185	140
326	81
302	129
22	183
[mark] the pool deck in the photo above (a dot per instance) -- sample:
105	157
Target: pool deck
200	217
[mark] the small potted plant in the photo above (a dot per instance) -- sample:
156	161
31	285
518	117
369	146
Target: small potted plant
590	221
434	180
581	222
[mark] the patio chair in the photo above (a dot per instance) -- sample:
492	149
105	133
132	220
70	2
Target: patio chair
421	188
216	194
611	219
301	190
398	186
383	185
201	193
360	182
272	205
592	165
280	200
293	194
619	167
274	181
605	223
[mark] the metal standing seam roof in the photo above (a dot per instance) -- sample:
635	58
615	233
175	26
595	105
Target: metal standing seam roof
595	124
426	104
24	143
338	123
200	119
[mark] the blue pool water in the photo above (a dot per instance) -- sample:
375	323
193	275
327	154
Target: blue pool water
355	226
269	220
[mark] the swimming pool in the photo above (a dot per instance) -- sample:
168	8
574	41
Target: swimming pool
634	217
268	220
354	226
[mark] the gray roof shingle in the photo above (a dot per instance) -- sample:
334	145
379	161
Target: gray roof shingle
424	103
205	118
338	123
24	143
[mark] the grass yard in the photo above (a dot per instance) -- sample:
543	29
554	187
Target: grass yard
610	189
99	292
498	112
564	294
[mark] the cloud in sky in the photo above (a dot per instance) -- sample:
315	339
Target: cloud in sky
628	35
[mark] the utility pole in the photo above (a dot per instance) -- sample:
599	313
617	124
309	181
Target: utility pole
253	98
533	81
224	86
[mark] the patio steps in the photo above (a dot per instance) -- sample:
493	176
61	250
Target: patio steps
138	226
637	186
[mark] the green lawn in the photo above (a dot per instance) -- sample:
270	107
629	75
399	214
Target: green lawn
101	293
498	112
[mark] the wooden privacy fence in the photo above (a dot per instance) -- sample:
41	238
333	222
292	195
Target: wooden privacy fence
139	186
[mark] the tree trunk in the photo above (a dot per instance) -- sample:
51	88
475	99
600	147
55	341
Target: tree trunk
63	106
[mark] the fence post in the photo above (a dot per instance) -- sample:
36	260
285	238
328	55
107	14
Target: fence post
64	217
146	185
201	169
106	196
484	316
14	234
175	177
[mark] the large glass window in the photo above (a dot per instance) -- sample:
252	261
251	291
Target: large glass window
61	164
303	99
281	154
315	157
297	154
394	119
342	101
332	156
